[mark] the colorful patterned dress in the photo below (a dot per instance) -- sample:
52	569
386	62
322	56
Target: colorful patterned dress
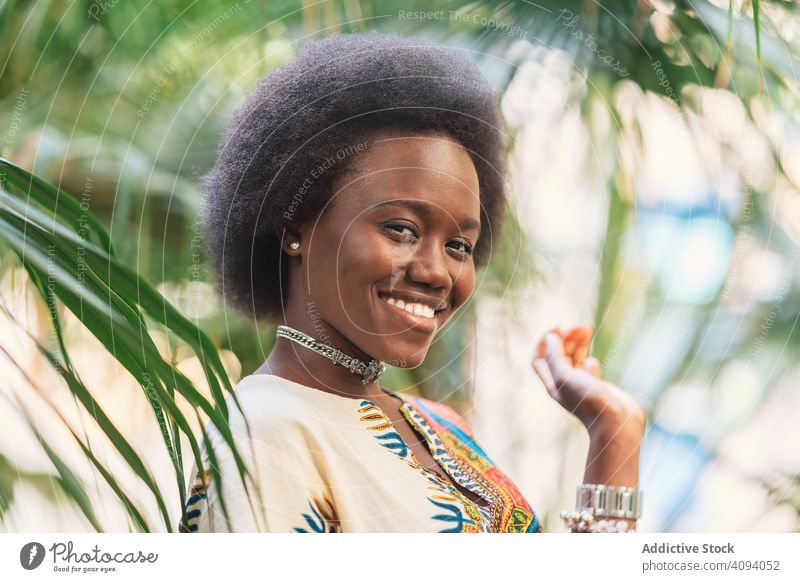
319	462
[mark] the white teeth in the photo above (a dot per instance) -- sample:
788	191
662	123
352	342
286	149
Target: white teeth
415	308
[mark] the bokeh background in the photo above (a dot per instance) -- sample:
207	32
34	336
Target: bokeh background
655	177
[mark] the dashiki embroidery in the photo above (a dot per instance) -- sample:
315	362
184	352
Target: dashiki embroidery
323	463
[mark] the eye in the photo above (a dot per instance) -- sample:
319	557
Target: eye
399	227
466	249
409	233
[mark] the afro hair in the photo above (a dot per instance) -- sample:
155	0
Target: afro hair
337	93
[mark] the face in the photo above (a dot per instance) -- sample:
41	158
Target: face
390	261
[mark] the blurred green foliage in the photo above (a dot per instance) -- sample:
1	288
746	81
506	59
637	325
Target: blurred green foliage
121	105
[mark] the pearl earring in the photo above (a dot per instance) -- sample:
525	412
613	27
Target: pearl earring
294	245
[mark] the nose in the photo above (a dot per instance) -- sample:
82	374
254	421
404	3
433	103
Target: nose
428	265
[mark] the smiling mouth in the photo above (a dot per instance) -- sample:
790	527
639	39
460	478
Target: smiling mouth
417	315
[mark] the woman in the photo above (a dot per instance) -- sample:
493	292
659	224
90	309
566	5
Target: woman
357	192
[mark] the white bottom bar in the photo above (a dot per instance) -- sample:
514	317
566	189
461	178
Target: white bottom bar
389	557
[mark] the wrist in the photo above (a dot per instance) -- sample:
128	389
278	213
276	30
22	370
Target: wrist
613	457
617	423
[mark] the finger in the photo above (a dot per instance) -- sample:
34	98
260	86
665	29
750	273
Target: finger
542	346
579	334
560	366
554	343
543	371
569	346
540	349
582	337
580	353
592	365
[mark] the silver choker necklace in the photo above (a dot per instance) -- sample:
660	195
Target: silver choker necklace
369	372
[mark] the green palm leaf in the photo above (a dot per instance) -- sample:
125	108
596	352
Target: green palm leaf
112	302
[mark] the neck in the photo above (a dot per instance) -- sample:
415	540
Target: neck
295	362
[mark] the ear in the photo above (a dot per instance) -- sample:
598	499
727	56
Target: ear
291	240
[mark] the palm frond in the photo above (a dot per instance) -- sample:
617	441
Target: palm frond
113	303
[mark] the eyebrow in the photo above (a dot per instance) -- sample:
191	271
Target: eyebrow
423	208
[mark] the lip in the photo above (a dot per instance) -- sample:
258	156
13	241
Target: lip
406	296
414	321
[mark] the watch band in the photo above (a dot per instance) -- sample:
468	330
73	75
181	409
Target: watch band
609	501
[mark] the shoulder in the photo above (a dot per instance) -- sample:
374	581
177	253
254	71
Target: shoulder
276	432
265	410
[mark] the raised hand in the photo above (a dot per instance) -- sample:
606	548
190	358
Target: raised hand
572	378
613	418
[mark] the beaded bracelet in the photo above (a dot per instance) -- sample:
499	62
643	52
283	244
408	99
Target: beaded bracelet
585	522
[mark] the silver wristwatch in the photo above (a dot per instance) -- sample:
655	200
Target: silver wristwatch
609	501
